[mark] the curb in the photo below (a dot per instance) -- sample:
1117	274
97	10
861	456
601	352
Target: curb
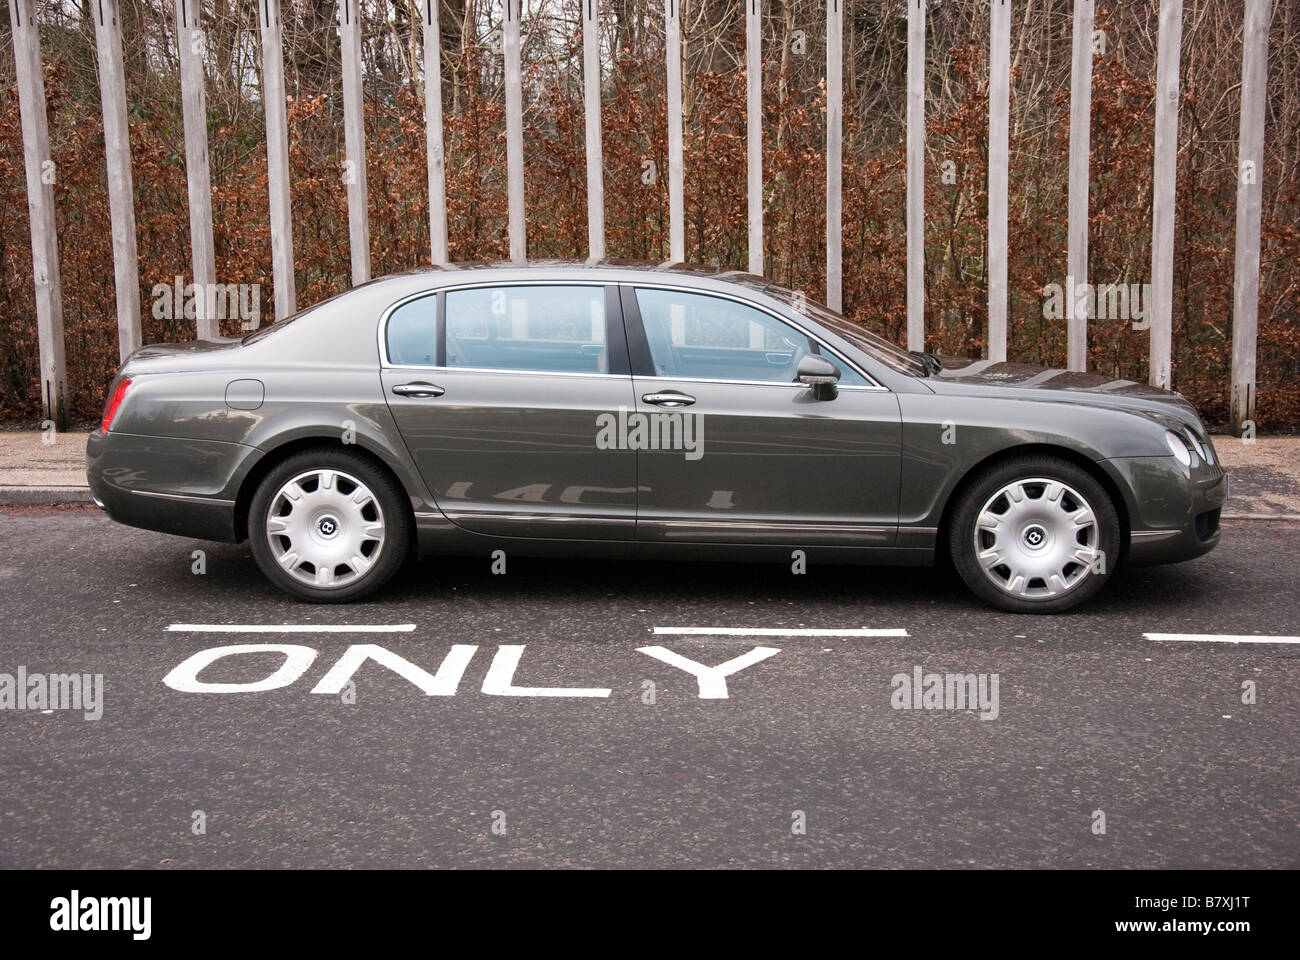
43	496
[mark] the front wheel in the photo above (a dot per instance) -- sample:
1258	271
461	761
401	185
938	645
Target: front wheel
328	526
1035	535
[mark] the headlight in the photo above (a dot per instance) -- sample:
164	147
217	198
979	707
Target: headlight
1179	448
1200	445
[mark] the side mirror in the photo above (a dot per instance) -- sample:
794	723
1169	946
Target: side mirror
819	374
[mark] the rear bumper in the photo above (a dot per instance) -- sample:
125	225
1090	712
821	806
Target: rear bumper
1173	510
182	487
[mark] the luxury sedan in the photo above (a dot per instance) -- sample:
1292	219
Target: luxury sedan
604	411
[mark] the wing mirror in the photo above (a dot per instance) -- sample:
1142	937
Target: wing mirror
819	374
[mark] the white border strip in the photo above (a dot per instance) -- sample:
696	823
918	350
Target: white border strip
289	628
776	632
1217	638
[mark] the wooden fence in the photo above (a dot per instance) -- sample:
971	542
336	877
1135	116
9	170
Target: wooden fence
45	259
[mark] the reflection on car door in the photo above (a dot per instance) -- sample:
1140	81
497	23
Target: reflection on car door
503	422
771	464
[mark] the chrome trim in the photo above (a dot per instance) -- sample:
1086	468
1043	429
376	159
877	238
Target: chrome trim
1153	534
182	497
386	364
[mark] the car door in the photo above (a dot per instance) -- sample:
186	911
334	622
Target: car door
499	391
753	456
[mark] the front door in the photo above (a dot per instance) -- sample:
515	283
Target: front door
738	450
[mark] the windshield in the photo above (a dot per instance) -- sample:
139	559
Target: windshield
895	357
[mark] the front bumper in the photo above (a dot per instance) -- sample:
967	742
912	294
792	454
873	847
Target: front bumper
1173	510
177	486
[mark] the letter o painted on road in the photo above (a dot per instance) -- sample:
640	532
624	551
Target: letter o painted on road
297	658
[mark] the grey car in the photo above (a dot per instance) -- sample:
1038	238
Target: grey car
606	411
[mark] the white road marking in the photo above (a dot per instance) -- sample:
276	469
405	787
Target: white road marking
777	632
1217	638
500	679
289	628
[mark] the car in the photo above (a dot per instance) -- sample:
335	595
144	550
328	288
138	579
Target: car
603	410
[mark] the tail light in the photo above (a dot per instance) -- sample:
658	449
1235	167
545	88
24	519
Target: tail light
114	403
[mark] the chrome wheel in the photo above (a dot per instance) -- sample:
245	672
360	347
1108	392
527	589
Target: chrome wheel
325	528
1037	538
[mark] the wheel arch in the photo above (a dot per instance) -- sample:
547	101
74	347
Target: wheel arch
1091	467
278	454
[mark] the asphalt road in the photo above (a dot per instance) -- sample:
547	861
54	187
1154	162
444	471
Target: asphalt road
1091	717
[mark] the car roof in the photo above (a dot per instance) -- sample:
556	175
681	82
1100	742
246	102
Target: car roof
452	273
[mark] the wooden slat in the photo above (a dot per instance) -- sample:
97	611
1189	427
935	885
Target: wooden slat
999	171
194	110
1076	259
834	154
754	130
354	135
433	133
591	106
40	210
514	133
277	158
117	154
916	174
673	55
1164	180
1250	193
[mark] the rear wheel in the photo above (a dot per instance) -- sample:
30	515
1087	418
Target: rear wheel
1034	535
328	526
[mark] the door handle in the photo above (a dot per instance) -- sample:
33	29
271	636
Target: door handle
418	390
670	399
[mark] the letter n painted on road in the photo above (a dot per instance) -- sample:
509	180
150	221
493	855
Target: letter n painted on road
442	684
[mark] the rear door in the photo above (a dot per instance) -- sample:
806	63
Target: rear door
500	392
736	449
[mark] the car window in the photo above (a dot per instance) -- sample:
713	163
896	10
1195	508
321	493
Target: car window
706	337
549	328
714	338
413	333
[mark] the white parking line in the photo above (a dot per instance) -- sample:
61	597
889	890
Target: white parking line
290	628
1217	638
777	632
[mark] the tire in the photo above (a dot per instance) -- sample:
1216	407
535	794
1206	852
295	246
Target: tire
1050	523
328	526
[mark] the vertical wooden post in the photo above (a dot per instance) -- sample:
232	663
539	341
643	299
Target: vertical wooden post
117	154
40	210
916	174
673	55
1250	193
277	159
834	154
591	106
1164	181
999	166
433	134
1076	259
191	47
754	130
515	133
354	136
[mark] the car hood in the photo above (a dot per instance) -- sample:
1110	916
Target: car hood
984	377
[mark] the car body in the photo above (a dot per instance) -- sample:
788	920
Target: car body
502	404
